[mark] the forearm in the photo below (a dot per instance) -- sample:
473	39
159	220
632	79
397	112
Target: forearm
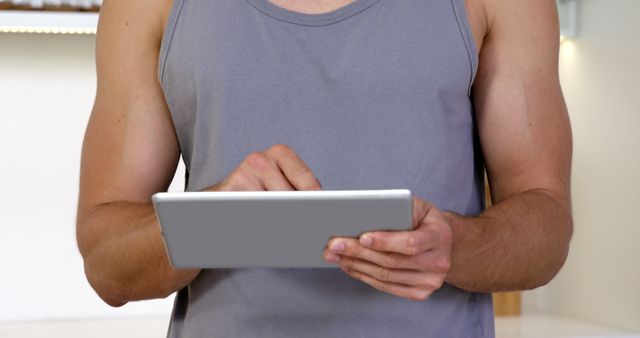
124	256
519	243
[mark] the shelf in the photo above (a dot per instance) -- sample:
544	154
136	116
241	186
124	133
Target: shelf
14	21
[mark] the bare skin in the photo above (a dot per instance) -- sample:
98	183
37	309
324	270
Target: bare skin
131	151
311	6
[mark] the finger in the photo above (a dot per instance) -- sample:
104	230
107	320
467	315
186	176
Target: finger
402	242
239	180
294	169
420	210
400	290
429	280
266	170
436	261
350	247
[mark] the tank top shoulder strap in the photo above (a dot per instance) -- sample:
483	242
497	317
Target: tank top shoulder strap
462	18
167	36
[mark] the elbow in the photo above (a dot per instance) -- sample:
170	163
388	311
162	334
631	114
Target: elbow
113	302
111	298
543	277
557	258
93	273
117	288
105	290
565	234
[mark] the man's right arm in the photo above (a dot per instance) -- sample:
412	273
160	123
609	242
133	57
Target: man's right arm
130	151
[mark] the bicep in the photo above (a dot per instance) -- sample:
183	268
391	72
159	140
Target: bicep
130	148
522	118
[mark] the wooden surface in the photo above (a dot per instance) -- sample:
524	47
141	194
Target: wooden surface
507	304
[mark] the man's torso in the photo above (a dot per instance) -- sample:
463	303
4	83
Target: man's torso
372	95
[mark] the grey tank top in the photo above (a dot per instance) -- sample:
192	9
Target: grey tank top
374	95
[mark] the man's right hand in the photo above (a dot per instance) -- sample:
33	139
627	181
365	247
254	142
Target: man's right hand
277	168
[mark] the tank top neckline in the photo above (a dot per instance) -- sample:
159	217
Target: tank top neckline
304	19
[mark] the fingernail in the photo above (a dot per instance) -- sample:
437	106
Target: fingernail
332	258
337	246
366	240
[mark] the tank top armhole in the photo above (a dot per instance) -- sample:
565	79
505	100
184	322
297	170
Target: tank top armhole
167	37
470	44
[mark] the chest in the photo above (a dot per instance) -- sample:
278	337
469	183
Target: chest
383	85
400	46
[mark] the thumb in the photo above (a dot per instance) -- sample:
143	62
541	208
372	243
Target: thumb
420	210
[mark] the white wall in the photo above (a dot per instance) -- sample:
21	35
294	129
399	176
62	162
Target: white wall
600	70
47	86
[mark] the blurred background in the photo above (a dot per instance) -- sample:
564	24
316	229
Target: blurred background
47	86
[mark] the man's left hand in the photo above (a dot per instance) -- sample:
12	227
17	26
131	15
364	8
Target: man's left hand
410	264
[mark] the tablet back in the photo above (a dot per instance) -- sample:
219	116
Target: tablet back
271	228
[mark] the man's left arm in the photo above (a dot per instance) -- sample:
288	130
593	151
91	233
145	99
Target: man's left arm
522	241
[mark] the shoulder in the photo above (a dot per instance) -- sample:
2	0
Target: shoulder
140	19
128	41
511	18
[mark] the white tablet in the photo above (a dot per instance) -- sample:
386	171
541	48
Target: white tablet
271	228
